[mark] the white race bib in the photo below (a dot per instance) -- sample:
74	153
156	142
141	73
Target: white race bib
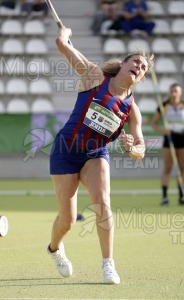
101	119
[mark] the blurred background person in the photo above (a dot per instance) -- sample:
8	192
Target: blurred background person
134	17
8	3
116	24
29	6
107	10
174	113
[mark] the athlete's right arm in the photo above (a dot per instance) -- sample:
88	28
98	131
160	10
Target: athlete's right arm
155	124
90	73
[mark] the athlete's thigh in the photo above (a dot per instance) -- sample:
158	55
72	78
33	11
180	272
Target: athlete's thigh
167	157
95	176
180	157
66	187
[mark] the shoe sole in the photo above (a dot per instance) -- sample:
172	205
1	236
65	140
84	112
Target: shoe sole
112	282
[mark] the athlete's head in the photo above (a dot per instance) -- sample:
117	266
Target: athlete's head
112	67
175	92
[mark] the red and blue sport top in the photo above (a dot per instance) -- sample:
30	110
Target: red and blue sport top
97	118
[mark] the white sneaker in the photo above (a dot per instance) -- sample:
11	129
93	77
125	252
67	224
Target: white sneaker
62	263
3	226
110	274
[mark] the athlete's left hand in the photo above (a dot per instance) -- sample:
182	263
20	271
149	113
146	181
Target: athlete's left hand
128	140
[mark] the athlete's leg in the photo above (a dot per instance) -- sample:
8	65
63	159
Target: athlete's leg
95	176
180	157
66	193
168	163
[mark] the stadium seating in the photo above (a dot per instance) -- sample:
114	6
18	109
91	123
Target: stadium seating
38	66
177	26
42	105
2	87
13	46
36	46
4	11
176	8
165	65
138	44
17	106
145	87
182	66
114	46
34	43
15	66
34	27
2	108
40	87
11	27
162	27
155	8
147	105
75	8
180	46
162	45
17	86
165	83
86	43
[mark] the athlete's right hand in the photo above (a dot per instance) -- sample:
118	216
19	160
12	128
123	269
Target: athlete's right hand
64	35
166	131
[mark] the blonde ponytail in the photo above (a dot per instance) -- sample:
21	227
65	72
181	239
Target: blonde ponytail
111	67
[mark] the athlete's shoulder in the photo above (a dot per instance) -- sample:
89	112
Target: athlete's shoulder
135	109
97	85
166	102
92	79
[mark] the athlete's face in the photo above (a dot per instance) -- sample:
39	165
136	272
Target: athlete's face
135	68
175	93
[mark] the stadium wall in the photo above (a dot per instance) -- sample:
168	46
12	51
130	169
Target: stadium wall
37	166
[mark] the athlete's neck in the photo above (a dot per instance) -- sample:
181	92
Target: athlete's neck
118	90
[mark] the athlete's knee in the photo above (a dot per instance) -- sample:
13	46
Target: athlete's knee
66	224
101	196
167	168
104	216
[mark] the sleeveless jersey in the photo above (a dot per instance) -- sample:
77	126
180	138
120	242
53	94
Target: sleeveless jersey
97	118
174	116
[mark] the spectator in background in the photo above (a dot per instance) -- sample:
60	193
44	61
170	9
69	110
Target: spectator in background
108	10
174	113
28	6
8	3
134	16
116	25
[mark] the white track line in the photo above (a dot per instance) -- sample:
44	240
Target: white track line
83	193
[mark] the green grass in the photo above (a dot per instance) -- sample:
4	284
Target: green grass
148	246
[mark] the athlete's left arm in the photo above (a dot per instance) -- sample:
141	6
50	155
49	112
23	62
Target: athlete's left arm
135	129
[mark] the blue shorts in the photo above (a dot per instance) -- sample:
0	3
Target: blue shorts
66	160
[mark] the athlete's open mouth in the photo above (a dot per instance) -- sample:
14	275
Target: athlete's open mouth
133	72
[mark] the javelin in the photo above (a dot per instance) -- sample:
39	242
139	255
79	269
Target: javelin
56	17
166	126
